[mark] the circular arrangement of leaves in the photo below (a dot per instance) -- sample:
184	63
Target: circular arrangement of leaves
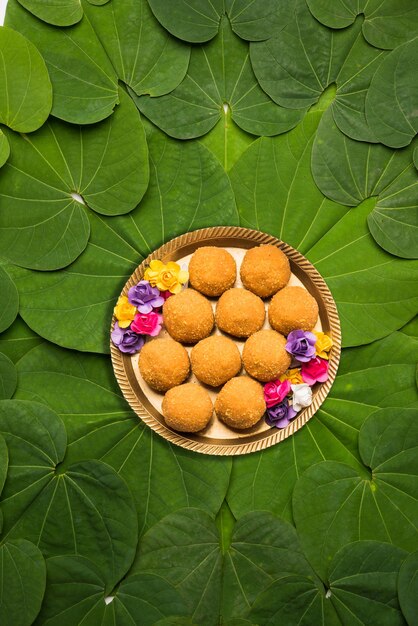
123	125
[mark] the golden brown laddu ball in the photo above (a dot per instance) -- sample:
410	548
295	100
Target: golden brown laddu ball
187	408
239	312
212	270
265	356
163	363
293	308
240	403
215	360
188	316
265	270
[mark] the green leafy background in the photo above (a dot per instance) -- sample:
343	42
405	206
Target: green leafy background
123	124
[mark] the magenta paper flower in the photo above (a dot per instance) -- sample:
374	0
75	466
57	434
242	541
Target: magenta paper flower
126	339
145	297
316	371
149	324
276	391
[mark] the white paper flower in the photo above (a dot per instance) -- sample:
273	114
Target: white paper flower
302	396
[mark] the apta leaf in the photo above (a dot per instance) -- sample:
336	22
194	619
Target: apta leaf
18	340
52	173
82	389
77	595
143	54
297	65
219	74
391	100
333	503
408	587
22	582
9	298
4	464
272	182
26	92
85	510
349	171
182	175
84	82
4	149
200	20
386	24
8	379
265	480
56	12
226	140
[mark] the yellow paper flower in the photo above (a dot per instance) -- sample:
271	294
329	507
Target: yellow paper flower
124	311
168	277
294	376
323	345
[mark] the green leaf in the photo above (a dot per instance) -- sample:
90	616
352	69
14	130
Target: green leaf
143	54
84	82
332	502
4	464
386	24
390	102
18	340
300	62
56	12
22	581
349	171
375	292
82	389
4	149
272	180
182	174
54	173
76	594
219	74
85	510
253	20
9	299
26	92
266	480
8	379
408	587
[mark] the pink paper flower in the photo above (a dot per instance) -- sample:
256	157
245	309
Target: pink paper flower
315	371
147	323
276	391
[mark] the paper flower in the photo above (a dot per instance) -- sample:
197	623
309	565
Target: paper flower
147	324
126	339
302	396
145	297
124	311
280	414
301	345
275	392
293	376
316	371
323	344
166	277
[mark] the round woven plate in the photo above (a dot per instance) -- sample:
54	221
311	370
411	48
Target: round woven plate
217	438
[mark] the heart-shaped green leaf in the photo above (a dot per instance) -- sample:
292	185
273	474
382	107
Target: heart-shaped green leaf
22	582
333	503
26	93
84	82
86	509
390	103
77	595
83	391
349	171
182	174
52	174
386	24
266	480
9	299
8	378
4	149
18	340
56	12
200	21
297	65
408	587
219	76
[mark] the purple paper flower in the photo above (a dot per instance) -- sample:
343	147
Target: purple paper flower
280	414
145	297
301	345
126	340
